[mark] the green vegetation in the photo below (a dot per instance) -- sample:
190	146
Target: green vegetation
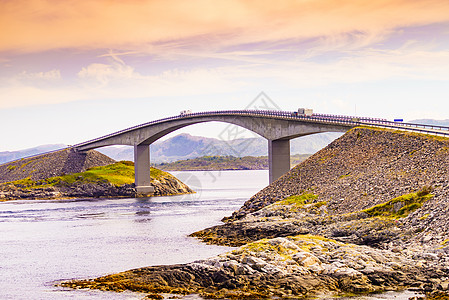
424	217
117	174
319	204
401	206
298	200
217	163
298	158
265	245
11	167
27	163
295	203
310	237
226	163
344	176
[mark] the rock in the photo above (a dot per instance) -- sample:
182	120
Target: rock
444	285
254	262
306	259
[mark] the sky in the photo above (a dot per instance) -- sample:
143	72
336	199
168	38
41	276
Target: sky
75	70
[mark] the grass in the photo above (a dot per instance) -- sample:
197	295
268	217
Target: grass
298	200
401	206
319	204
118	174
11	167
344	176
424	217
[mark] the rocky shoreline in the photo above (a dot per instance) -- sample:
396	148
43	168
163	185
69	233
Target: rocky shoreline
369	213
165	187
293	267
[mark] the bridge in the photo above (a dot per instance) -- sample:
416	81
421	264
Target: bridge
278	127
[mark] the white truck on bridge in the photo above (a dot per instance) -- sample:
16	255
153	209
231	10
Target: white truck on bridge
185	112
304	112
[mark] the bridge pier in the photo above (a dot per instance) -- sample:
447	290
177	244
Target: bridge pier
278	158
142	170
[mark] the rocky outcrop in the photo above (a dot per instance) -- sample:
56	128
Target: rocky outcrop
163	187
293	267
366	167
37	178
52	164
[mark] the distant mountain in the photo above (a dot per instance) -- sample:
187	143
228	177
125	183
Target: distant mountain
431	122
186	146
7	156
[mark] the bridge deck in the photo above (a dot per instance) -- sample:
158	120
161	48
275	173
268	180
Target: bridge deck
288	115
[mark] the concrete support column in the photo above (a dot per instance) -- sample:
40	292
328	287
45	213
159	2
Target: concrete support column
142	170
278	158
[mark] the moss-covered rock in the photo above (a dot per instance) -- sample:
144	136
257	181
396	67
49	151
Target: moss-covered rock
291	267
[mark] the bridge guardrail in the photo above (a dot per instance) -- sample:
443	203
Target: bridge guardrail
325	118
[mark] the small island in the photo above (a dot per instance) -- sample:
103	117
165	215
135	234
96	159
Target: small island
67	174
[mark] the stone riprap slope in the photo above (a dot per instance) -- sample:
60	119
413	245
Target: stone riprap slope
363	168
366	167
52	164
380	188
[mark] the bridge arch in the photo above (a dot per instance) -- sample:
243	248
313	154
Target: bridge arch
277	127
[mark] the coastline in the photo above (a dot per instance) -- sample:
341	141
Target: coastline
300	237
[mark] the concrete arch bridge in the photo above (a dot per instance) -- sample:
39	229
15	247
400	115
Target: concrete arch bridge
278	127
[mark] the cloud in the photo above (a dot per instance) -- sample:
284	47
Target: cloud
151	25
118	80
49	75
104	73
23	95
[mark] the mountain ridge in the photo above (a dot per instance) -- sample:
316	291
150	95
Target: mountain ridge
185	146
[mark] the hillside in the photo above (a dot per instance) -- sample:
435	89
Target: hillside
6	156
210	163
68	174
363	169
114	180
52	164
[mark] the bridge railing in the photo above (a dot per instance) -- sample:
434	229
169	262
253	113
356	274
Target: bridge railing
324	118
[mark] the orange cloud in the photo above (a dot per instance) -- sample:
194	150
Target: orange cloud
39	25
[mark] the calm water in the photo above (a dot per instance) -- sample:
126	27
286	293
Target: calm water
42	242
46	241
